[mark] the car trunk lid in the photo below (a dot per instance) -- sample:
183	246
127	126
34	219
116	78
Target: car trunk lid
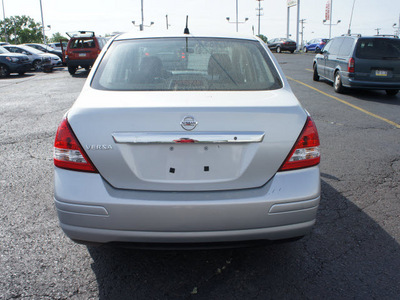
138	140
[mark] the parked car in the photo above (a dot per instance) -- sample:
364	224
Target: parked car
13	63
46	49
282	44
315	45
4	43
363	62
82	50
57	46
35	56
219	151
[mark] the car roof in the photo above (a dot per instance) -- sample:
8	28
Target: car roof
171	34
359	36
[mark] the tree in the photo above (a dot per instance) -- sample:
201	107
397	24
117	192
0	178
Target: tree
21	29
263	38
57	37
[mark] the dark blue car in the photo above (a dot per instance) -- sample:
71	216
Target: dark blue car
315	45
13	63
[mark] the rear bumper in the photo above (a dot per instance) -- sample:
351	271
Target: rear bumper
288	48
80	62
90	210
56	63
372	85
19	68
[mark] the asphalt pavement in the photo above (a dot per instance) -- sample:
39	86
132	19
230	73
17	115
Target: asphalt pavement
352	253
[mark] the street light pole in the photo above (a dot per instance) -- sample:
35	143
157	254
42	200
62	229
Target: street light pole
298	24
5	27
330	20
141	25
41	11
328	14
237	15
237	18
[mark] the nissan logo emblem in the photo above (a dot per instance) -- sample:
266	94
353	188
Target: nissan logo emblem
189	123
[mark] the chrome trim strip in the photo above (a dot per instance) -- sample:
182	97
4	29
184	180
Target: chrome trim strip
294	206
188	137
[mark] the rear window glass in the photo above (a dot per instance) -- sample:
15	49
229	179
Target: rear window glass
378	48
82	43
186	64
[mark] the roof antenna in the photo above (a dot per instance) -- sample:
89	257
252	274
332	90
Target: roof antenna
187	29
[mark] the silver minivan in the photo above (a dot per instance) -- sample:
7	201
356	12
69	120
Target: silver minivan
360	62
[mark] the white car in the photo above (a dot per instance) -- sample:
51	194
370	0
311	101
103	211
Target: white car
34	55
57	46
186	139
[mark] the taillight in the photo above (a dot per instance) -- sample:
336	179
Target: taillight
68	153
351	65
305	152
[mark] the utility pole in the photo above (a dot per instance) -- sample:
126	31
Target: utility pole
302	21
5	27
259	14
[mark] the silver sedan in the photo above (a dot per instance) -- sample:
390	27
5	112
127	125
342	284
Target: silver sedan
186	139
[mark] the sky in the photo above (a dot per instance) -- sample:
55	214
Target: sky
105	17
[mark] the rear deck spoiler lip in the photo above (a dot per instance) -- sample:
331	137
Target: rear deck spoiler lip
190	137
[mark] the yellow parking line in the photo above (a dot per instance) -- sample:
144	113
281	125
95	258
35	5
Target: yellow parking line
347	103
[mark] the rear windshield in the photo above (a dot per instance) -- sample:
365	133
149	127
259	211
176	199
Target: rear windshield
186	64
378	48
82	43
287	40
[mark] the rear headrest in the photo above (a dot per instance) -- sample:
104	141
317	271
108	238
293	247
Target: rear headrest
151	66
